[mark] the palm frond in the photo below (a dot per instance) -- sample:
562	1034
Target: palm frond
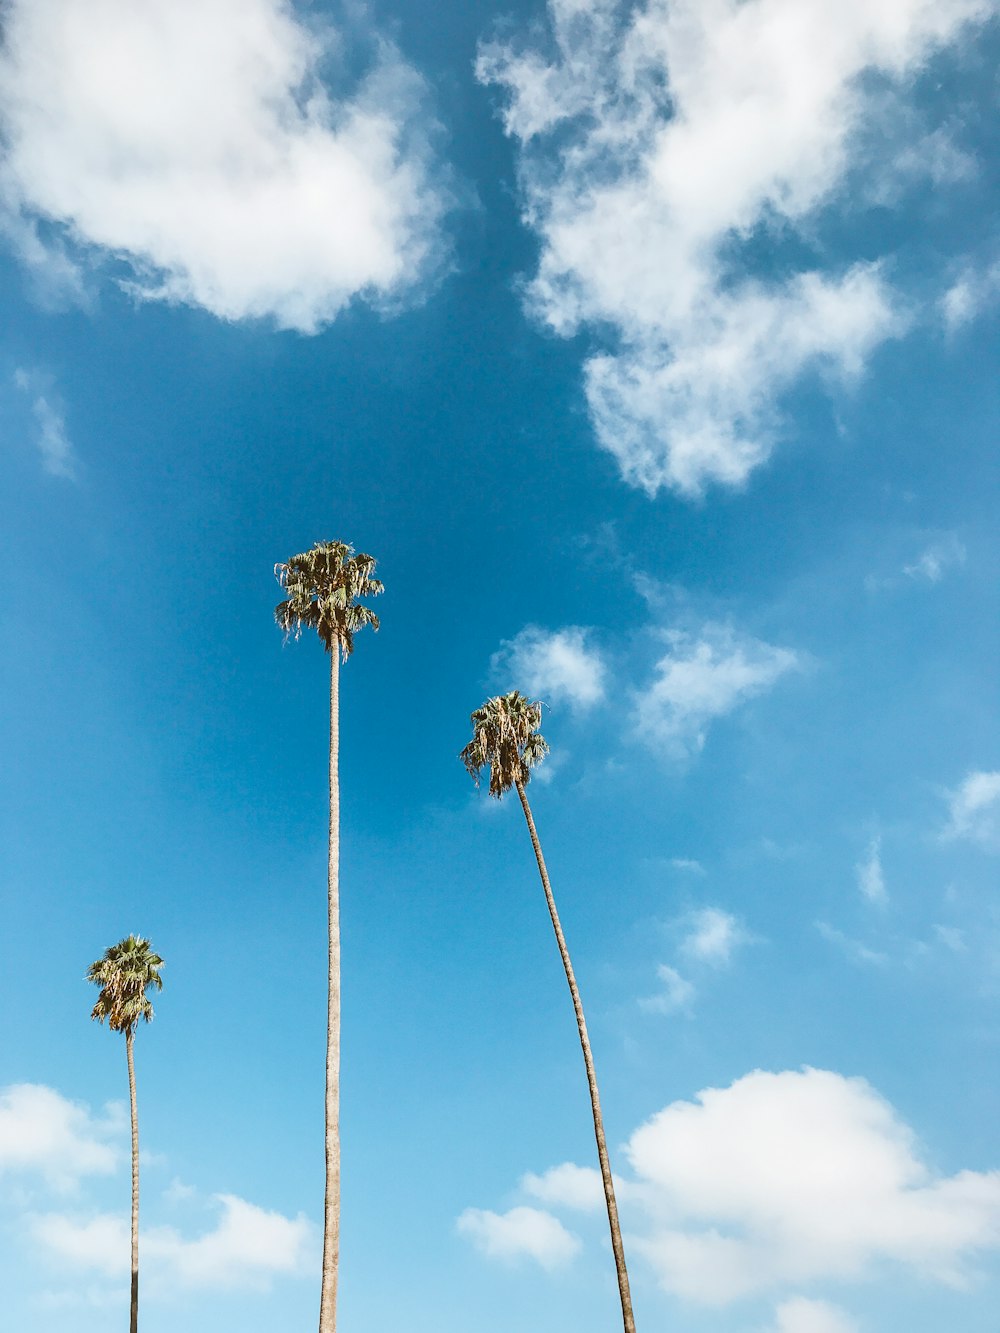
125	972
323	587
505	739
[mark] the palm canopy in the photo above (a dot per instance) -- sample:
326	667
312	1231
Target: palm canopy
323	586
506	739
125	973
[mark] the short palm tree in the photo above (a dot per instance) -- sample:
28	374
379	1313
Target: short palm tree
125	973
323	587
506	740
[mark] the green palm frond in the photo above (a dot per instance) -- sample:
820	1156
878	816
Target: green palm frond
324	586
125	972
505	739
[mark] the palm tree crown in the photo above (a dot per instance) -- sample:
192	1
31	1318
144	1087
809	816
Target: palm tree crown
505	738
125	973
323	585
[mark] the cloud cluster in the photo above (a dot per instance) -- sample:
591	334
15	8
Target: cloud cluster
55	1144
248	1246
197	143
659	144
775	1183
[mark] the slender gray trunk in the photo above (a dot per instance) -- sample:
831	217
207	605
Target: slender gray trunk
588	1059
133	1321
331	1210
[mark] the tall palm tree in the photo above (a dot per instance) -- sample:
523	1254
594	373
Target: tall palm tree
323	587
506	739
125	973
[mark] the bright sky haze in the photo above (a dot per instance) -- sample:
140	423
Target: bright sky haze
652	351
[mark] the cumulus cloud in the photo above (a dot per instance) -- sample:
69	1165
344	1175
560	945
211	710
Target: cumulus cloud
974	809
52	439
45	1134
659	144
248	1247
801	1315
871	880
200	144
712	936
553	665
520	1233
794	1177
703	677
568	1185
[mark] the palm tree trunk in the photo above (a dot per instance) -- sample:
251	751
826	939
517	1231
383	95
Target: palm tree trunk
331	1213
133	1321
588	1059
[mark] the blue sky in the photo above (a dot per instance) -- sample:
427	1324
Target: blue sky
652	352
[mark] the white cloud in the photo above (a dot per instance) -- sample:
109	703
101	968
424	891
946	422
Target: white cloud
677	993
557	665
568	1185
936	560
45	1134
801	1315
657	142
969	295
795	1177
712	936
520	1233
196	141
871	880
974	809
701	678
687	864
52	440
248	1247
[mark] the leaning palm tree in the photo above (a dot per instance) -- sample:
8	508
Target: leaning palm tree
323	587
506	739
125	973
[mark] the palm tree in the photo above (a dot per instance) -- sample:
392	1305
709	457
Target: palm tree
506	739
125	973
323	587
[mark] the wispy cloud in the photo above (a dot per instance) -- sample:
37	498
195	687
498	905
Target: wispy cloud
974	809
702	677
52	439
854	949
974	291
659	144
197	141
712	936
675	995
553	665
937	559
871	879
